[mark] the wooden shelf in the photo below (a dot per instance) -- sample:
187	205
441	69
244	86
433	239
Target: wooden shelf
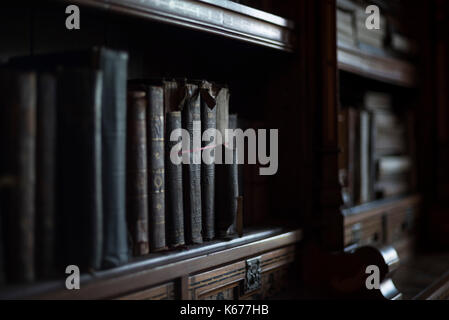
375	207
224	18
159	267
382	68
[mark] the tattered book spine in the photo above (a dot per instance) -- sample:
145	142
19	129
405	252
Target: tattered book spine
45	174
17	172
191	116
174	201
226	173
156	183
137	174
208	121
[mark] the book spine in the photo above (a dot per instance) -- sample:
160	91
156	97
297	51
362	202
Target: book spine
137	175
192	171
80	167
17	172
228	178
114	67
174	201
45	174
156	183
208	121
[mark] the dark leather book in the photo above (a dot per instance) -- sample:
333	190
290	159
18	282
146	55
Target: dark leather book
174	195
137	173
208	121
113	65
17	172
45	174
156	166
79	167
191	114
228	192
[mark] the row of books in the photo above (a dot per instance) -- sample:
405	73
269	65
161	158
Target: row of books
85	176
352	30
375	161
193	201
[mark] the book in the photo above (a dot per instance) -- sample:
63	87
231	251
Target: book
393	165
371	37
173	103
137	173
354	154
114	65
343	156
227	185
392	186
80	167
45	173
208	121
174	195
191	115
345	27
17	172
376	101
403	44
156	166
365	157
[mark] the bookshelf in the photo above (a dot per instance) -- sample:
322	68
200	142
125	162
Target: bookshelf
240	39
283	73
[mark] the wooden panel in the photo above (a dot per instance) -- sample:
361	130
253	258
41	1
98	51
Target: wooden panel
211	280
162	292
224	282
215	16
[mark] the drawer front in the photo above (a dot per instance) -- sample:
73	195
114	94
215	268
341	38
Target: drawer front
400	223
258	277
368	231
161	292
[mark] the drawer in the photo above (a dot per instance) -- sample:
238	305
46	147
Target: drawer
162	292
365	232
400	222
257	277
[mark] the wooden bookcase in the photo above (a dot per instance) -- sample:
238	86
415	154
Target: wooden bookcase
257	55
283	73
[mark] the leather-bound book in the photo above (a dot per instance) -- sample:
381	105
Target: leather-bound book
174	196
191	118
114	65
208	121
45	174
227	208
227	173
137	174
79	167
156	167
17	172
